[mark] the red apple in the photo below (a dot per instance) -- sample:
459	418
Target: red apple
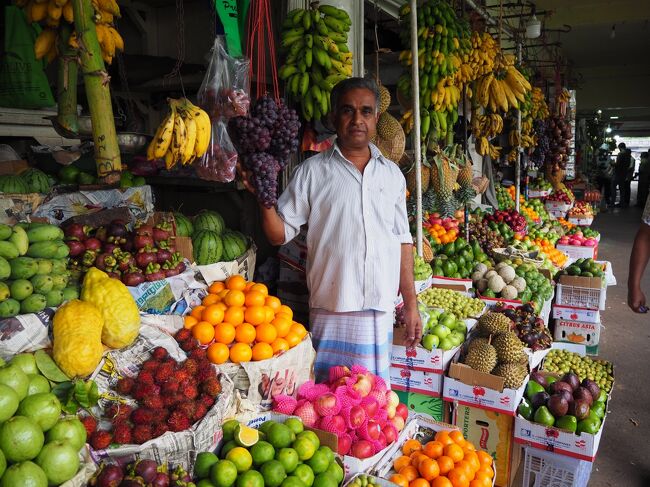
398	422
402	410
357	416
345	442
373	429
390	433
362	449
370	405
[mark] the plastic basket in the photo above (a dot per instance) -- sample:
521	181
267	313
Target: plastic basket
547	469
578	297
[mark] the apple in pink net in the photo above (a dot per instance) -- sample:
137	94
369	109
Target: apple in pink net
402	411
398	422
373	429
363	385
345	442
327	404
390	433
392	398
357	416
362	449
370	405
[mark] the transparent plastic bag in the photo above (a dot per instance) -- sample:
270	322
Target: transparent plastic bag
220	161
224	90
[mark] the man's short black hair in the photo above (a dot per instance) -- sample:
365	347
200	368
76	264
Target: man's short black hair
622	145
351	84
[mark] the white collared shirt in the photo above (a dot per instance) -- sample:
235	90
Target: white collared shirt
356	225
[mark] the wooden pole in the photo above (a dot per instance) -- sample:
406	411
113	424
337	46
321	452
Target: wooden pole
66	90
417	144
96	81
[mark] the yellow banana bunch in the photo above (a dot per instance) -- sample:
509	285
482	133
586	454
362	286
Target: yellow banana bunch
182	136
317	56
539	108
480	60
50	14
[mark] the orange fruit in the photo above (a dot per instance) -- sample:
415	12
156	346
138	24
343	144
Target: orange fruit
484	478
300	330
234	315
285	309
212	314
210	299
282	326
189	321
236	282
485	458
410	446
221	306
203	332
480	483
417	457
253	298
196	312
401	462
445	463
420	482
254	315
399	480
240	352
262	351
218	353
249	285
454	452
443	437
260	288
286	316
433	449
470	473
269	315
279	345
266	333
245	333
224	333
458	438
429	469
223	293
487	471
216	287
458	477
273	303
472	458
441	482
469	445
292	339
409	472
234	298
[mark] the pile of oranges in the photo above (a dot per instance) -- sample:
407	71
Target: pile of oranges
556	256
240	322
449	460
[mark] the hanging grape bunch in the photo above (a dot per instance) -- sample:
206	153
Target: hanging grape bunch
265	139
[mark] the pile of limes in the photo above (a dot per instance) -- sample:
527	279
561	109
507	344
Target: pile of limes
276	455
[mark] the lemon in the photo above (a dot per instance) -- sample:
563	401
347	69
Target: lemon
241	457
246	436
262	452
223	473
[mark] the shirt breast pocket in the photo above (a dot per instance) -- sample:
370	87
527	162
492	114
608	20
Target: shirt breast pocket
384	206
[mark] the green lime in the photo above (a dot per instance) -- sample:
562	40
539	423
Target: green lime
292	482
264	427
229	429
262	452
246	436
288	458
241	457
205	483
204	462
227	447
328	451
304	447
305	474
251	478
336	471
295	425
319	462
223	473
273	473
325	480
311	436
279	436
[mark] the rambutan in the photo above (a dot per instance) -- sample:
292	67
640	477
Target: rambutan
189	344
191	366
122	434
169	387
145	390
200	411
163	373
100	440
159	429
181	375
199	354
150	365
160	415
144	377
170	400
206	400
142	433
178	421
124	385
118	412
187	408
153	402
183	334
205	373
90	424
142	416
159	353
189	391
211	386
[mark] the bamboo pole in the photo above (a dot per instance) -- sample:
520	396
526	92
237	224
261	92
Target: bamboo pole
66	90
417	144
96	81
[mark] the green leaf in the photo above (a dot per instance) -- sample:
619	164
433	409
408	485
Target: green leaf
48	367
86	393
63	391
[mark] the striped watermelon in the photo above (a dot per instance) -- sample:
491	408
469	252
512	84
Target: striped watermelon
209	220
234	244
184	227
208	247
11	183
36	180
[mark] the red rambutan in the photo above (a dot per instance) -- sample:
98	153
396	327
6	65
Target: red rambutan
100	440
145	390
153	402
160	415
191	366
182	335
169	387
178	421
199	354
122	434
159	353
169	400
124	385
205	373
118	412
150	365
159	429
206	400
163	373
211	386
144	377
142	416
200	411
181	375
189	391
189	344
90	424
142	433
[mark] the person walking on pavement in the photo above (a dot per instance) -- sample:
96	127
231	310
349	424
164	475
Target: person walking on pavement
638	262
359	248
621	170
604	176
644	180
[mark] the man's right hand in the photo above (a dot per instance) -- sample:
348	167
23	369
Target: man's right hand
636	300
245	178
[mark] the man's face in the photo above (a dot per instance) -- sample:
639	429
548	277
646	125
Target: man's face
355	119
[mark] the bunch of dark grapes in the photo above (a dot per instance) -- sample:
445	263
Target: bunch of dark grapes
249	135
285	135
266	111
542	150
264	171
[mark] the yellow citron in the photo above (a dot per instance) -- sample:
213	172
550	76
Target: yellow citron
77	338
114	301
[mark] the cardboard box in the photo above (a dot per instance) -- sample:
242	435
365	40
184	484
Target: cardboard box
440	281
577	332
424	404
557	206
576	314
576	252
582	292
538	193
492	432
425	383
583	221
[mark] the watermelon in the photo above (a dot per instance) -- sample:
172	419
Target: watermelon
11	183
208	247
234	244
184	226
209	220
36	180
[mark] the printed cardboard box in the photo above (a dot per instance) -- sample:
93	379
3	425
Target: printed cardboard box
577	332
451	281
407	380
424	404
538	193
583	221
576	252
576	314
557	206
492	432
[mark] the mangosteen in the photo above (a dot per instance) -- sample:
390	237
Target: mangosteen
539	378
592	387
572	379
558	405
109	476
146	469
582	393
539	399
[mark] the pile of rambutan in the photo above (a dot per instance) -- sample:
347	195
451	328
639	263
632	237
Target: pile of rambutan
170	395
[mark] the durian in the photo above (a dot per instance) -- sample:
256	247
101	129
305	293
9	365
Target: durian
493	323
513	374
508	346
481	357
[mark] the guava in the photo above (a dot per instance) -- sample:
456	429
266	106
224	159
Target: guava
44	408
26	363
20	439
25	474
14	377
59	460
69	430
37	383
8	402
3	463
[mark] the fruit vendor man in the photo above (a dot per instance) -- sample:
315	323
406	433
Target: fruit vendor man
359	248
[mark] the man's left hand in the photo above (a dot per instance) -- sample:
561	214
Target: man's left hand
413	326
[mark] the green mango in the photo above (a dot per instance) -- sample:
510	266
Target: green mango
33	304
525	409
5	231
9	307
543	416
533	388
588	425
568	422
23	267
5	268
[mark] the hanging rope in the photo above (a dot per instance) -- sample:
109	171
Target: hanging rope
260	38
180	46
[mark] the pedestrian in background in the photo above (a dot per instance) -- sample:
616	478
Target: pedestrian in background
604	171
621	170
644	180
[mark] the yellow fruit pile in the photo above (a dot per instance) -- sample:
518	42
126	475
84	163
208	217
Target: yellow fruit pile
240	322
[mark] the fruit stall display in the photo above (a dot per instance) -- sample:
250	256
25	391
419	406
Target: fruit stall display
454	302
583	268
581	210
421	269
455	259
440	329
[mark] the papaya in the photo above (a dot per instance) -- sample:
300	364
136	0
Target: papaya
44	233
46	249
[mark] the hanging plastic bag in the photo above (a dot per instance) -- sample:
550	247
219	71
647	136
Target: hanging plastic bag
220	161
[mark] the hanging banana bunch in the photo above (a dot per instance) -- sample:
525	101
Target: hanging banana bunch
51	13
183	135
317	56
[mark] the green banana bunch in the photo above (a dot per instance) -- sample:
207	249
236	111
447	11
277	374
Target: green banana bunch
314	41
